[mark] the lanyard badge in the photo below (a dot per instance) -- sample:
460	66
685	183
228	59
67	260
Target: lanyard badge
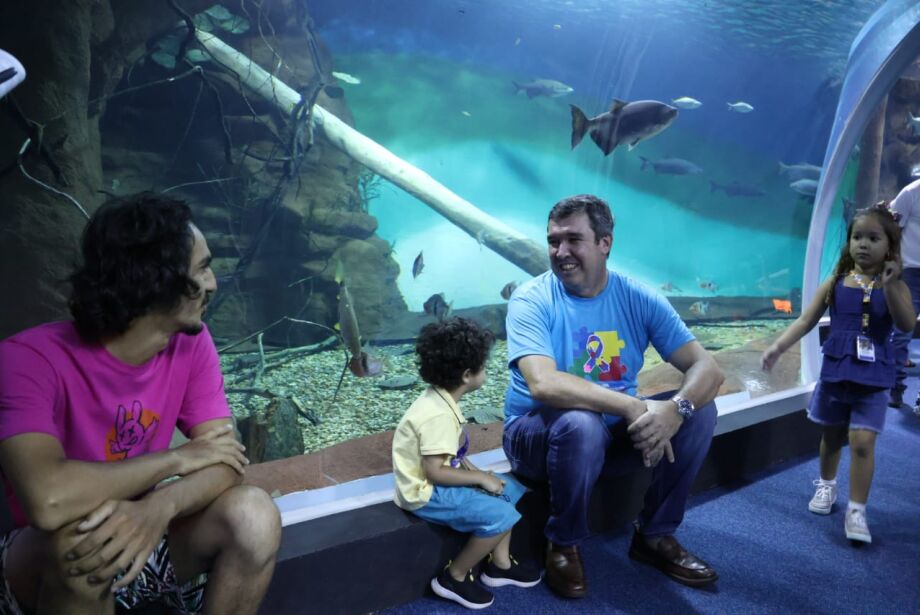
865	347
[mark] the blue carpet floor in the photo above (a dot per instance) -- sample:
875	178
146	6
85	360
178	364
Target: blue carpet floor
772	555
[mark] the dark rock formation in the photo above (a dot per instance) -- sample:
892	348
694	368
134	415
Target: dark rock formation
277	205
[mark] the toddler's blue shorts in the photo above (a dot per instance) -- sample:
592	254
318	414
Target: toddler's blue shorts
849	403
473	511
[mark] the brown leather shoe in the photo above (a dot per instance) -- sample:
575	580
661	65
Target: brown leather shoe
673	560
565	574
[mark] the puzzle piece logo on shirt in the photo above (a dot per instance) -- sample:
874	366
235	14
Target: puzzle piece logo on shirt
597	356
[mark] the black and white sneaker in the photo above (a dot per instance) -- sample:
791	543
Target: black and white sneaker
519	575
466	592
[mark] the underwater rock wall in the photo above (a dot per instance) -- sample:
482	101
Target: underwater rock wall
279	208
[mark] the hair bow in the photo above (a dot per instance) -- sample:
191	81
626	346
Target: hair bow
884	206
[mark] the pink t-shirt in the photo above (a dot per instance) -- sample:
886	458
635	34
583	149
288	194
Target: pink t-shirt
98	407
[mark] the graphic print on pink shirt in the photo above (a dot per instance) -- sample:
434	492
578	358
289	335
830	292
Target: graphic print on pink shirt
132	430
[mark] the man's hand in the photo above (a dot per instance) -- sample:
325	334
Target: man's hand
214	446
654	457
634	410
491	483
652	432
119	537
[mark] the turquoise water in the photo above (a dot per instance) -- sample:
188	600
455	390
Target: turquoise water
435	88
511	158
655	239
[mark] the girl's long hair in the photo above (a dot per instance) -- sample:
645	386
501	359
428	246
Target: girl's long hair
845	263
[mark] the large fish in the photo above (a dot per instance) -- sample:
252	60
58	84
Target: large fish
671	166
626	122
543	87
361	364
805	187
737	189
796	172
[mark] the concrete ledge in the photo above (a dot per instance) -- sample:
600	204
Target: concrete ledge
736	411
376	556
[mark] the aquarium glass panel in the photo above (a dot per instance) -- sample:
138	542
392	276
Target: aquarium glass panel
361	168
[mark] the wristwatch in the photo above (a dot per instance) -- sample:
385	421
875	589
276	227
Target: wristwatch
685	407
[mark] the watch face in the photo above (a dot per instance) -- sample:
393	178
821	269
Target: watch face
684	407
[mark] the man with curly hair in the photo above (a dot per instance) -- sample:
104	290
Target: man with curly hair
87	413
437	482
577	336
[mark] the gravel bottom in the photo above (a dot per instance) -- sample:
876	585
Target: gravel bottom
362	408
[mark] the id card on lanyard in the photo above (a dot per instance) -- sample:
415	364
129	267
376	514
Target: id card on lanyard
865	347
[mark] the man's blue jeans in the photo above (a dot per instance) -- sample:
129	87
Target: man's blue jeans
901	339
571	448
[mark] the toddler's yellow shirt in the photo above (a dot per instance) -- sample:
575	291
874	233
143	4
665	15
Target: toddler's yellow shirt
431	426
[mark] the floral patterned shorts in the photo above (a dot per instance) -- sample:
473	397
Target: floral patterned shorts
155	583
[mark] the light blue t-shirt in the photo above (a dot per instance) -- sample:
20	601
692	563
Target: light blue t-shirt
601	339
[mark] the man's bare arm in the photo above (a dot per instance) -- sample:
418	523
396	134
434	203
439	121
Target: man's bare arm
55	491
702	375
195	491
652	432
559	389
119	535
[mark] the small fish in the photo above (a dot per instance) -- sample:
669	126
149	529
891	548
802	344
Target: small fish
700	308
782	305
346	78
417	265
740	107
517	41
466	113
438	307
557	26
543	87
708	285
685	102
508	289
669	287
805	187
737	189
625	122
914	122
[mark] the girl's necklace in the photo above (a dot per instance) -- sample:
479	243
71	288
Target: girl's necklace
866	283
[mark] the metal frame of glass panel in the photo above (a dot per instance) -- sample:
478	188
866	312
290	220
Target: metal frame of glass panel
883	49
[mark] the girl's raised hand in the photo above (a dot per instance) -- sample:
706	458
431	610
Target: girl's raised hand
891	271
769	357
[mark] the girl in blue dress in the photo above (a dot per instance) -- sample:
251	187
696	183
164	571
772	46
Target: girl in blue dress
867	298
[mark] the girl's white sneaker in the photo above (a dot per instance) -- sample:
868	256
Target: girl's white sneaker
823	501
856	526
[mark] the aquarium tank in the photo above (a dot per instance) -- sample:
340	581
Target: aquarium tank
363	167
